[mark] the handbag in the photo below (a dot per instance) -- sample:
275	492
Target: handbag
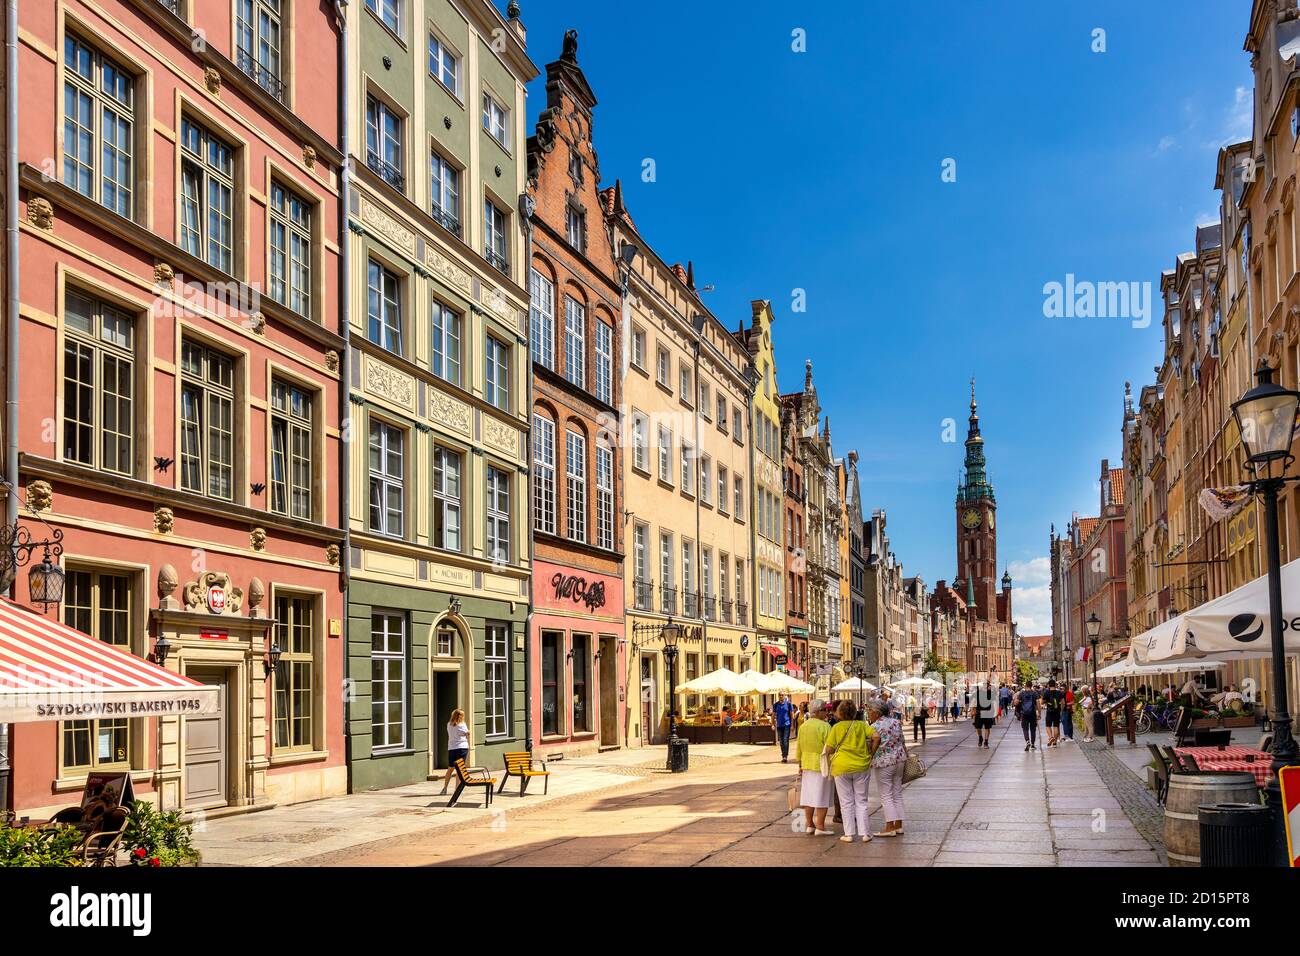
792	798
913	769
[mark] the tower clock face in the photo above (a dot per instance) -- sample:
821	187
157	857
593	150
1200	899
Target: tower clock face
970	519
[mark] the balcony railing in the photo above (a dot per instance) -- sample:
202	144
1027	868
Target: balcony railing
644	595
668	601
263	77
724	609
386	171
448	221
742	614
710	608
173	5
690	605
497	261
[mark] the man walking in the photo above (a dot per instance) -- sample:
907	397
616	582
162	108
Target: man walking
782	712
986	709
1067	715
918	721
1004	700
1027	709
1053	705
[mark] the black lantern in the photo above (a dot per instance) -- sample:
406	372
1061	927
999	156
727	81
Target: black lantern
272	658
161	650
45	581
1266	417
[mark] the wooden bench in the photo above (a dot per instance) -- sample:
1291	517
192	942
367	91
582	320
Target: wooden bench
520	764
472	777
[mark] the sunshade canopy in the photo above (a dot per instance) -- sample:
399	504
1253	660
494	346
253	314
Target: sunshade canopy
49	671
779	683
853	684
721	681
1129	667
1229	628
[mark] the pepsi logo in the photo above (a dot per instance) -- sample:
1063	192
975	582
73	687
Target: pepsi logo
1246	628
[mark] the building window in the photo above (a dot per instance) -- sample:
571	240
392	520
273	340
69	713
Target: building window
207	422
98	385
667	578
384	309
739	510
687	468
295	673
496	680
542	325
663	367
705	400
706	480
446	499
384	150
688	576
552	668
665	454
575	342
387	681
498	515
581	664
575	227
723	486
494	236
98	127
445	325
640	558
543	474
98	604
292	474
605	363
388	11
444	65
290	224
638	347
444	193
496	120
722	414
257	43
496	357
640	438
386	479
737	425
604	498
685	377
575	469
445	641
207	196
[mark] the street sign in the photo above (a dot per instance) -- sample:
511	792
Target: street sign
1290	780
781	660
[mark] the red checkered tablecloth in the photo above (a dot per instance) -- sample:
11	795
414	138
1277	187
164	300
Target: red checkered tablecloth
1232	758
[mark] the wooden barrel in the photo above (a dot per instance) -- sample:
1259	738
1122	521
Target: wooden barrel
1187	791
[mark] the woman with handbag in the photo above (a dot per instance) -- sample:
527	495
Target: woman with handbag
814	786
888	765
849	749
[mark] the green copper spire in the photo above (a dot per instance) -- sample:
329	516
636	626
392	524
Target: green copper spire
975	484
970	591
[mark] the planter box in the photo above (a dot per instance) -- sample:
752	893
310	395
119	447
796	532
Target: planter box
1205	723
736	735
701	733
762	734
1152	780
1246	721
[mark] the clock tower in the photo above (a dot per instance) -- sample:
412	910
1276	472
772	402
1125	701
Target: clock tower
977	540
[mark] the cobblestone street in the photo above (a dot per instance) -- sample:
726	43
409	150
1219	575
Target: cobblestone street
1000	807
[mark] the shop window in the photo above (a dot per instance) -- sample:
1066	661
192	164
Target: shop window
387	681
581	667
496	680
99	604
295	674
552	668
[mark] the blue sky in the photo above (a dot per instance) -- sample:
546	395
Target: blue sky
821	170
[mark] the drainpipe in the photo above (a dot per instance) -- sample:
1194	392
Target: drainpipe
527	206
11	317
345	361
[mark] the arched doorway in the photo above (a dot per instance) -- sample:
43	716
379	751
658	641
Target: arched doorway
450	685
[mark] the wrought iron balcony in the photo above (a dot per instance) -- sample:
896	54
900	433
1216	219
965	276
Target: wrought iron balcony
173	5
725	609
386	171
710	608
690	605
643	595
447	220
497	261
668	601
262	76
742	614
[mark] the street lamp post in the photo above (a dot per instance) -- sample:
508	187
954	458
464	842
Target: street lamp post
1094	638
671	632
1266	419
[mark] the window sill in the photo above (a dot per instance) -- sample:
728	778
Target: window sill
554	738
399	752
385	27
639	368
666	484
643	472
298	756
664	387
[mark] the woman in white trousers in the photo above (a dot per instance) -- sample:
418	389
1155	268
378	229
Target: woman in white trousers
850	746
887	764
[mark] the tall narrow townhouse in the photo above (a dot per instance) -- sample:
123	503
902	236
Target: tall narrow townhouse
178	358
767	492
863	650
845	610
688	390
796	564
577	653
438	378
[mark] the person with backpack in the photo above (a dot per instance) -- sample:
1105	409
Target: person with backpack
1067	715
1053	705
1027	709
985	712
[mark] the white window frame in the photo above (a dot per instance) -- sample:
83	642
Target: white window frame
496	120
542	319
575	486
604	497
496	492
543	474
604	362
575	342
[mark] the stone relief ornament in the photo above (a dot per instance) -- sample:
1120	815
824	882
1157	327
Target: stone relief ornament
332	555
309	156
167	582
444	268
213	591
40	495
448	411
375	218
500	436
163	520
40	213
163	274
386	382
257	322
212	80
257	538
256	593
332	360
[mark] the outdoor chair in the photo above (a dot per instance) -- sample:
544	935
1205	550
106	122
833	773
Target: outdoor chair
472	777
1172	759
1162	773
68	817
1212	738
1190	763
1265	742
100	848
1182	728
522	765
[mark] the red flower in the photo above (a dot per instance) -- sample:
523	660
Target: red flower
139	852
154	861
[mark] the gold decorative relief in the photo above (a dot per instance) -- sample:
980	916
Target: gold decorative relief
212	80
257	538
164	519
332	555
309	156
163	274
332	360
40	495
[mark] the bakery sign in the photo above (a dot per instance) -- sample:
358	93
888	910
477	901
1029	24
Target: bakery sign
571	587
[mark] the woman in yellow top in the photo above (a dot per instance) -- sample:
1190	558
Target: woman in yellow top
850	745
815	789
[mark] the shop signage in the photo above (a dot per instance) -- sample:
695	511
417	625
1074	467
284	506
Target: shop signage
744	641
781	659
579	590
214	635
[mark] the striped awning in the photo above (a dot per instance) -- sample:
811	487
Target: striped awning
49	671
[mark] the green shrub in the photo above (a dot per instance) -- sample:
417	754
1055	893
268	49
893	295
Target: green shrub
157	839
20	846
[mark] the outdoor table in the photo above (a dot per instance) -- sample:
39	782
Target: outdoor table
1232	758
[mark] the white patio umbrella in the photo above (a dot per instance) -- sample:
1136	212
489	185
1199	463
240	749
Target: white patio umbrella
854	684
916	682
779	682
722	682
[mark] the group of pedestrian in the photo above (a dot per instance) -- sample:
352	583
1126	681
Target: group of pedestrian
1054	704
838	752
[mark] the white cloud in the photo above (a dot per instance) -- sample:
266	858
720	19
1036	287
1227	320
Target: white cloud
1237	119
1031	595
1166	143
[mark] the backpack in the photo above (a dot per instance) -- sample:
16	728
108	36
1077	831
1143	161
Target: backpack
1027	704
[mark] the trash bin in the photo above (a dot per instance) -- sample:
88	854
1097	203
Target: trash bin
1098	724
1236	834
677	755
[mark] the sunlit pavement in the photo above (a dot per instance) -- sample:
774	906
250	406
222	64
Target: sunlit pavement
996	807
